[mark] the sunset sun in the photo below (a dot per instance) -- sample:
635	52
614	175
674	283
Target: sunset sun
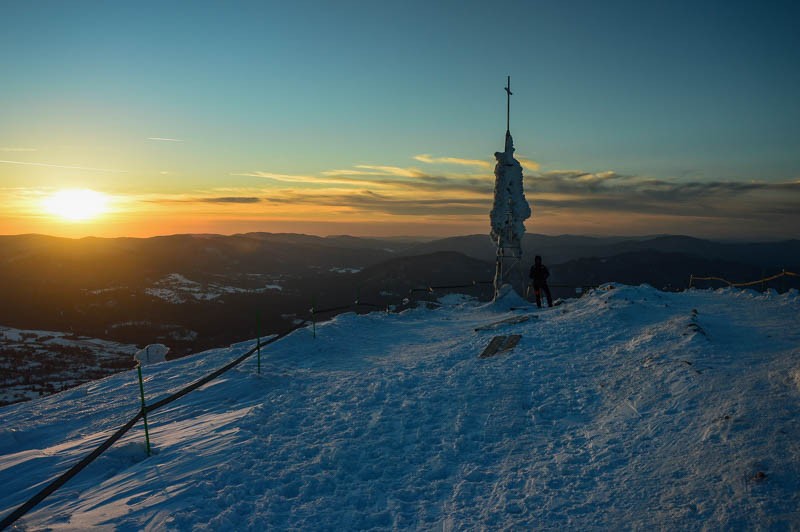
76	205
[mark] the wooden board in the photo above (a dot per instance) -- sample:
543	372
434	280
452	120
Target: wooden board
500	344
511	342
494	344
508	321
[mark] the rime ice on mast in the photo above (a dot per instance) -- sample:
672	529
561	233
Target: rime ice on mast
510	210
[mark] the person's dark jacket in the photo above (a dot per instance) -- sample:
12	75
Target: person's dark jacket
539	274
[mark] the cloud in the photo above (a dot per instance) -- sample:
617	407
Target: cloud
352	172
164	139
602	201
475	185
394	170
26	163
367	201
197	197
271	175
573	180
612	192
555	195
425	158
371	170
528	164
294	178
231	199
360	178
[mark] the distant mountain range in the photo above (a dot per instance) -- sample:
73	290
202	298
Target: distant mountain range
560	249
199	291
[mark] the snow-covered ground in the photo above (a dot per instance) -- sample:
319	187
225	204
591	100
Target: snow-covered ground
628	408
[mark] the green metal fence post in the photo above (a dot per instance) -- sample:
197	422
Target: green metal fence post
144	409
313	321
258	345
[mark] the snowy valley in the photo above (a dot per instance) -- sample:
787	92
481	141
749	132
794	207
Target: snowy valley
38	363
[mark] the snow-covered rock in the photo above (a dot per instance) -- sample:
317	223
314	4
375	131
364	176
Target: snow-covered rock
507	299
151	354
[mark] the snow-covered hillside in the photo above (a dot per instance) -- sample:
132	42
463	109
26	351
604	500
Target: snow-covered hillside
627	408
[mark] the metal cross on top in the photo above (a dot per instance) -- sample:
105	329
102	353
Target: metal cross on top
508	104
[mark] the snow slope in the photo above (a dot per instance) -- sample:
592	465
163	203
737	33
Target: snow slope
628	408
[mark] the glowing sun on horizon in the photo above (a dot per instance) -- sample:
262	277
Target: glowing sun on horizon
76	205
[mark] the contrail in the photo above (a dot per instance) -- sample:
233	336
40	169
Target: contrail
63	166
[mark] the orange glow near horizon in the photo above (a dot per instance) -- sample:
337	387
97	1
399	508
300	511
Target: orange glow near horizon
382	210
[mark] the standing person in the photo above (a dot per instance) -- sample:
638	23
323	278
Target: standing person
539	274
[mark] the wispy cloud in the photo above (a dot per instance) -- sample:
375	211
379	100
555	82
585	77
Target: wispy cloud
373	170
344	172
367	201
195	198
294	179
7	149
27	163
408	181
164	139
394	170
428	159
528	164
232	199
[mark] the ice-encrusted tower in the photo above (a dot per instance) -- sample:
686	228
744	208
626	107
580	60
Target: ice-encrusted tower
509	212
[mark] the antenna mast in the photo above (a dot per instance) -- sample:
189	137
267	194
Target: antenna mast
509	211
508	104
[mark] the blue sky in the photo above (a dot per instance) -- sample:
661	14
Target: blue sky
678	92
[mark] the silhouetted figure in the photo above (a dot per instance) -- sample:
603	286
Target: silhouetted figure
539	274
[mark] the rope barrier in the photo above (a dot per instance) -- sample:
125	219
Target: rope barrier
693	278
452	286
584	286
372	305
432	289
64	478
88	459
211	376
426	289
331	309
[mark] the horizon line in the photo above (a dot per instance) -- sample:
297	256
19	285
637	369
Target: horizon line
406	237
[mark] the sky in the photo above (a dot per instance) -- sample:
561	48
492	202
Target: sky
382	119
